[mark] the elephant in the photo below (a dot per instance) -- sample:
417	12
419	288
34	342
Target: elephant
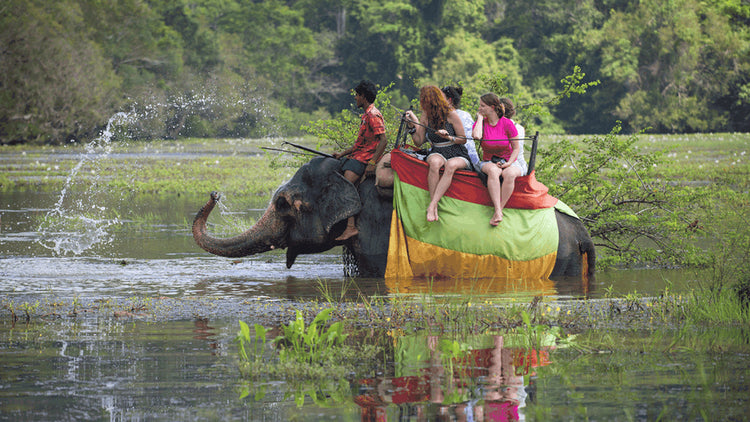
307	214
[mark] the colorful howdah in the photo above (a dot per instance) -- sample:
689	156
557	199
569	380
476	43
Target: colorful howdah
462	243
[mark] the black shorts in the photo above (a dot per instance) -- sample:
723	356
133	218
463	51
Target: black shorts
353	165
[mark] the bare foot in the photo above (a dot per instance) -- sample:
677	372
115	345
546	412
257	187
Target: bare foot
432	214
349	232
496	218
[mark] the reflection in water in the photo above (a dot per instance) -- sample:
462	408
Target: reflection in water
432	381
205	332
89	368
497	287
99	369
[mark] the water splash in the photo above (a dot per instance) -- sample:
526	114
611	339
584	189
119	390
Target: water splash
77	222
80	221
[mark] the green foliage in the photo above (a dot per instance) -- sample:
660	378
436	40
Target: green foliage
534	109
314	359
253	344
312	343
466	58
541	336
633	215
71	64
339	131
665	54
55	81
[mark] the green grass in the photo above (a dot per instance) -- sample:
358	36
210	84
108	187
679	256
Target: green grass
198	166
694	159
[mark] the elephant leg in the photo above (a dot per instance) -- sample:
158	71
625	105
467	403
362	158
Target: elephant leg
370	248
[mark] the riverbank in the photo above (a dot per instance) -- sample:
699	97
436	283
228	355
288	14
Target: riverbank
464	314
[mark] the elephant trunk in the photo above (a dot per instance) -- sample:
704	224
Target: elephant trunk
267	233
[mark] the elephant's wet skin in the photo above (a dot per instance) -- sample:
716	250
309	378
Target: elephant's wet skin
251	242
575	250
305	215
310	211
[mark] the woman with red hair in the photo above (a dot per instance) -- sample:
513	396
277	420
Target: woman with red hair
442	127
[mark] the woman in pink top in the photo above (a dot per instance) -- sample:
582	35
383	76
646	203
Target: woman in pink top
500	149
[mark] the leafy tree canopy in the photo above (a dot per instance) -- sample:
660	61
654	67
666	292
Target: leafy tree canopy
677	66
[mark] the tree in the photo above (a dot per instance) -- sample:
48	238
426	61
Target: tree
465	57
674	60
55	83
634	216
278	51
133	36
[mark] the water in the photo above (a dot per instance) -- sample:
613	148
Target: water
100	368
91	246
133	257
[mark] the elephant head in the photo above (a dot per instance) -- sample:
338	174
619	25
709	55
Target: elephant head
305	215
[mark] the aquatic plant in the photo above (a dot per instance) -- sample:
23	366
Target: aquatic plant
308	344
313	359
538	336
246	342
326	290
302	347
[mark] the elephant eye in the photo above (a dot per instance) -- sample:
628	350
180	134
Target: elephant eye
282	205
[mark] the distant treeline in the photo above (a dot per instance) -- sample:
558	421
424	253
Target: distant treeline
237	68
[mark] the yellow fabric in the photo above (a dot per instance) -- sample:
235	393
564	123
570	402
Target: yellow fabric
398	254
524	289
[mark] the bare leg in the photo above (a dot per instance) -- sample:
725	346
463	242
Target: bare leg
351	228
493	173
509	183
445	181
433	179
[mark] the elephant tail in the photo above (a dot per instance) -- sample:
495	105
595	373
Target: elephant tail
588	256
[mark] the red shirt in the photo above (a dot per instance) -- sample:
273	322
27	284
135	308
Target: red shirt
367	140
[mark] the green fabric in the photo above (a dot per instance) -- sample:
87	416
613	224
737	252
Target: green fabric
412	353
523	235
565	209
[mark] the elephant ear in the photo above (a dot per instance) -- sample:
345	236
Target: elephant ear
339	200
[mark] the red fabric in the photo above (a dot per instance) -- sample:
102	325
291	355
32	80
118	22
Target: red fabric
528	193
371	126
410	389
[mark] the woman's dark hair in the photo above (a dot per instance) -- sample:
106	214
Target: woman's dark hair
454	93
492	100
510	111
367	89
